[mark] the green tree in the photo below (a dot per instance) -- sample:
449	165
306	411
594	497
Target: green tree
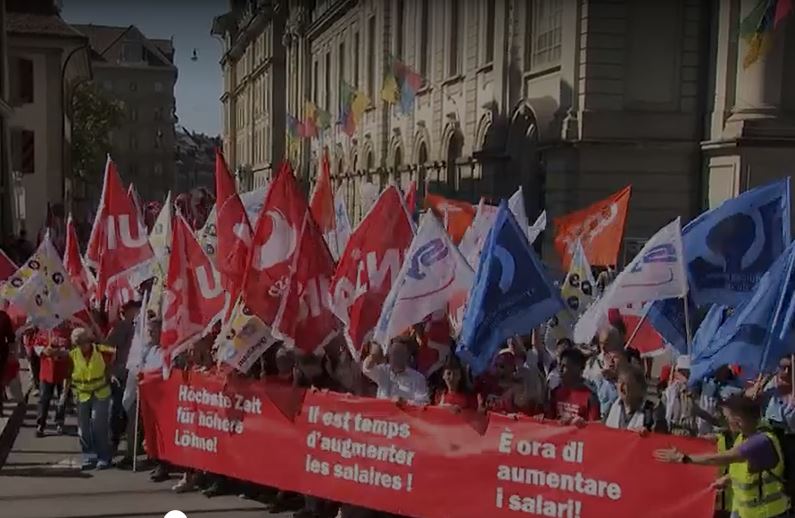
94	116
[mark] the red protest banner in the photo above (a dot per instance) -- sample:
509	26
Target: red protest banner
425	462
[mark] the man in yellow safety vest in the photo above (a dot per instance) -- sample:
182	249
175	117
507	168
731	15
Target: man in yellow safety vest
90	383
755	462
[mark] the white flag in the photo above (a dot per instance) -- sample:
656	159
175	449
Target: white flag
42	288
433	272
577	292
475	236
337	238
208	234
243	339
516	205
135	359
536	228
656	273
160	240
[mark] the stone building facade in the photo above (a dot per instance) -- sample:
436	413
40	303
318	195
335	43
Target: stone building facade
43	58
140	72
571	99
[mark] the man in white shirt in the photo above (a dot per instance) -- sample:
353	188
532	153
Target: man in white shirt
395	379
609	341
632	410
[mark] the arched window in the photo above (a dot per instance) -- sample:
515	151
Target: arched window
422	158
398	163
454	148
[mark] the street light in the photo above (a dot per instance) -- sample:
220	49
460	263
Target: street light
69	56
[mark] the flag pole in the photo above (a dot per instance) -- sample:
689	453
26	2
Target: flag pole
135	433
637	327
687	324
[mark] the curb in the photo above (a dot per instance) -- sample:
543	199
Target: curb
11	429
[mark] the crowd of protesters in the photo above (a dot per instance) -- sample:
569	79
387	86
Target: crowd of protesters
574	384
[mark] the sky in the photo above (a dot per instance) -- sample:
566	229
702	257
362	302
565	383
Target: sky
199	82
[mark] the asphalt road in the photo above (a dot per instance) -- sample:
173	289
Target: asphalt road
41	479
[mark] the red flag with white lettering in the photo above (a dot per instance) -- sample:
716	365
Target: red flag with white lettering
119	245
369	265
322	202
305	318
273	246
233	229
192	296
7	266
73	263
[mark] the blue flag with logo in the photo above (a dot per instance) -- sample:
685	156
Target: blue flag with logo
668	318
712	322
757	334
511	294
729	248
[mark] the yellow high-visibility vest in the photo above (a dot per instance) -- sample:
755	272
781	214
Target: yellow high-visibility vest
724	496
88	377
759	495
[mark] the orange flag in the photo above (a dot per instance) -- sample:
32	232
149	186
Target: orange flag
600	227
456	215
322	203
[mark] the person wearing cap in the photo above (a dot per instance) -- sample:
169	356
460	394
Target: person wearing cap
755	462
394	378
90	382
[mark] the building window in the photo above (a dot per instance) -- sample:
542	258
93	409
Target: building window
107	85
133	86
23	151
488	45
327	93
545	18
132	52
425	40
341	64
315	81
133	142
22	81
158	86
371	79
454	39
133	114
159	139
356	58
400	11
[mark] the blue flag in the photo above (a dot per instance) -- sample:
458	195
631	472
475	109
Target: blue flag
668	318
511	293
757	334
729	248
712	322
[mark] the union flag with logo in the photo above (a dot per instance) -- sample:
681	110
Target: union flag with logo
600	228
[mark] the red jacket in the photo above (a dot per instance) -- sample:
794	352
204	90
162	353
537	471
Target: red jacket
53	369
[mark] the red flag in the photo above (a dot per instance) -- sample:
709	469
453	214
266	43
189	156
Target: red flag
7	267
600	227
234	240
411	197
224	182
305	318
369	265
135	199
273	246
322	203
73	263
646	339
119	243
456	215
192	296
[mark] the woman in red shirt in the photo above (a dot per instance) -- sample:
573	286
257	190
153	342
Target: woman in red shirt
455	393
53	350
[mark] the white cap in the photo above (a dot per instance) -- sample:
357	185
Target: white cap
683	362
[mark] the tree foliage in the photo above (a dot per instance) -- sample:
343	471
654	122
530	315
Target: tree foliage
94	116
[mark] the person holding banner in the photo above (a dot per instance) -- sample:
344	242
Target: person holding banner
573	402
395	379
756	463
90	380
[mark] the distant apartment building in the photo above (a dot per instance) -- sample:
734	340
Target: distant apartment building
570	99
43	59
140	72
195	160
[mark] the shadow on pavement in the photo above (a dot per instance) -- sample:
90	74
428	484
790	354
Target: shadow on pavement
46	472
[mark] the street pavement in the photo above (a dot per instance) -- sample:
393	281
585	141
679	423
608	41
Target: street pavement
41	479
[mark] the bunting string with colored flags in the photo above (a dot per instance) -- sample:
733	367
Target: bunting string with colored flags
600	228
